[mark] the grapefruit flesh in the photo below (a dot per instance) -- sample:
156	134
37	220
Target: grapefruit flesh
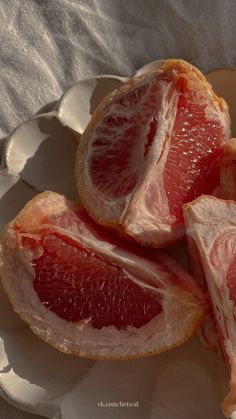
87	292
113	164
192	165
76	285
151	146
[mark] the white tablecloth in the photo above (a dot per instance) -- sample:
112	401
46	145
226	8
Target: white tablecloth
47	45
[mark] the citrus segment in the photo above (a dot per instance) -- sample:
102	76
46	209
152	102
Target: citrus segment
78	285
117	156
210	222
86	292
192	165
151	146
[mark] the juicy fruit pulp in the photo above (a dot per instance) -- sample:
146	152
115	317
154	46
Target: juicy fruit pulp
87	292
192	165
78	285
153	145
113	164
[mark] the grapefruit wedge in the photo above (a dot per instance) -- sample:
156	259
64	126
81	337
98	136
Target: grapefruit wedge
211	230
151	146
227	191
89	294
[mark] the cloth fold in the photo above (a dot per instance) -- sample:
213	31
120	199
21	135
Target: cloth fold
48	45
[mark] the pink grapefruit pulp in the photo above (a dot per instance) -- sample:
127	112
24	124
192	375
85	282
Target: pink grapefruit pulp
152	145
86	292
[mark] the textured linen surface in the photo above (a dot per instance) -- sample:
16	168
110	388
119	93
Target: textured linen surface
48	45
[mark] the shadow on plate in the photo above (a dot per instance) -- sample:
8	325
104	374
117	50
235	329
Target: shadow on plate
42	152
49	107
52	165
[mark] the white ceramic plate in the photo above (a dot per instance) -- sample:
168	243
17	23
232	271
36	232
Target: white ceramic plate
188	382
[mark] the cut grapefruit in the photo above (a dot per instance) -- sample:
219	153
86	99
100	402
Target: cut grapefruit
151	146
89	294
211	225
225	190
